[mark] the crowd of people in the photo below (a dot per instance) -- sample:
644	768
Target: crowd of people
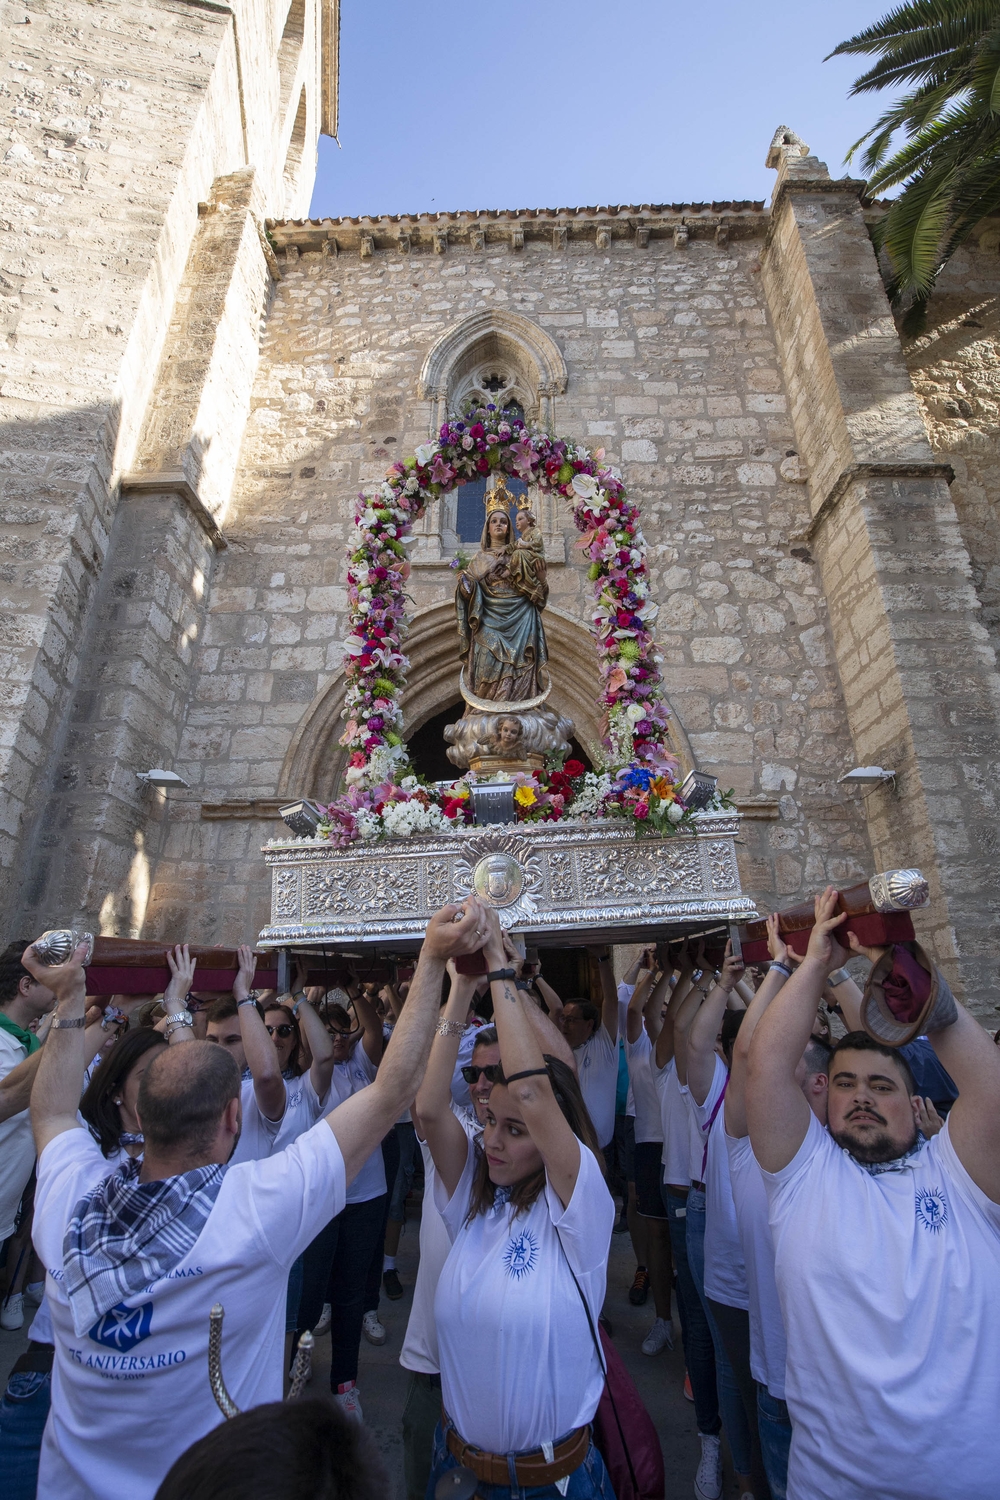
808	1168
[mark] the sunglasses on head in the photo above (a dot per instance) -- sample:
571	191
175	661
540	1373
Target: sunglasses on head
493	1073
284	1030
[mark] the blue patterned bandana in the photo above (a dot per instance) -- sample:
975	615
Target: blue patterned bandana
125	1234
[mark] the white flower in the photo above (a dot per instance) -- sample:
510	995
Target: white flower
353	775
584	485
425	453
354	645
675	813
409	783
635	712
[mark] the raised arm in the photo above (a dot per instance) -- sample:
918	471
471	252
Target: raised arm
609	992
262	1059
652	1011
434	1116
361	1121
371	1025
777	1113
684	1016
735	1105
665	1042
550	1038
644	986
705	1028
548	994
520	1053
969	1055
59	1080
179	1025
320	1045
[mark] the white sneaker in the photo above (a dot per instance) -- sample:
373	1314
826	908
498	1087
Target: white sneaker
12	1311
350	1405
708	1480
374	1331
659	1337
35	1291
325	1319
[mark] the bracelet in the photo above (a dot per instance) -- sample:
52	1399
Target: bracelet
62	1024
522	984
175	1022
112	1017
501	974
250	1000
781	968
528	1073
839	976
452	1028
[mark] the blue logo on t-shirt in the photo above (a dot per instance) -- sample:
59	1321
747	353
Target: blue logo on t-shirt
123	1327
932	1209
521	1254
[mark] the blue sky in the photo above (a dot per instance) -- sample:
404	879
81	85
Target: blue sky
563	103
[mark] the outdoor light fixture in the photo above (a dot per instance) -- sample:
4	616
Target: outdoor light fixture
159	777
697	790
867	776
302	817
493	802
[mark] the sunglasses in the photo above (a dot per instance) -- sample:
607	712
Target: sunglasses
284	1030
493	1073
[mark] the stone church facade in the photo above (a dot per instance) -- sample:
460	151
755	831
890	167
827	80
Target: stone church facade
195	382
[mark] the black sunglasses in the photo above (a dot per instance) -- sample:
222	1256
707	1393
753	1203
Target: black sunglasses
284	1030
493	1073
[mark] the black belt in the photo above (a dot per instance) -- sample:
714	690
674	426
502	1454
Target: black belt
700	1186
37	1359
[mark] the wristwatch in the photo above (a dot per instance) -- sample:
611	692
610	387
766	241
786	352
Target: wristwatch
61	1023
501	974
839	976
178	1019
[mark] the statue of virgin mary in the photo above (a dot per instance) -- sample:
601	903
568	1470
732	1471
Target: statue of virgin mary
499	601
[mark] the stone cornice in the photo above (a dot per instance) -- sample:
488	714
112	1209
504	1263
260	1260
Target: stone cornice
171	482
915	469
511	228
849	187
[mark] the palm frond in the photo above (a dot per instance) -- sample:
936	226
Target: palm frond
914	229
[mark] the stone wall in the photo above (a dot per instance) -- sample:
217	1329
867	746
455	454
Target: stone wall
115	121
955	367
672	367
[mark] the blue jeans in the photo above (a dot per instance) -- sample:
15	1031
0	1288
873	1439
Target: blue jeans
589	1482
699	1352
775	1428
734	1417
23	1413
409	1155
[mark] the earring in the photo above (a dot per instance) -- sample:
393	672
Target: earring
116	1101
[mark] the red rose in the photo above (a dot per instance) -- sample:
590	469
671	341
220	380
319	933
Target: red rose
574	768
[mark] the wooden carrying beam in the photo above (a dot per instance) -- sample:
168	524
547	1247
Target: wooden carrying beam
137	966
877	912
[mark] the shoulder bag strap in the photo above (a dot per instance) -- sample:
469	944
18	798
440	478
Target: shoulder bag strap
603	1364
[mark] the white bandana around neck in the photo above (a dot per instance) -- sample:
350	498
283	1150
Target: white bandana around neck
898	1164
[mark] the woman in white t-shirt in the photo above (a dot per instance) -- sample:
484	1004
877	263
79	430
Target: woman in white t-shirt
530	1220
108	1105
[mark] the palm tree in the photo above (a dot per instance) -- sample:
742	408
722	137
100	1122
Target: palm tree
948	52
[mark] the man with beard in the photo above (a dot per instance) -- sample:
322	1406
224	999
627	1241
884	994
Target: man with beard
887	1248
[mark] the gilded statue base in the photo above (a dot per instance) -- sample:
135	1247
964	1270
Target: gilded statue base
576	882
507	741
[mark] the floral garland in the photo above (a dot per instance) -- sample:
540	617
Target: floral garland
400	810
490	441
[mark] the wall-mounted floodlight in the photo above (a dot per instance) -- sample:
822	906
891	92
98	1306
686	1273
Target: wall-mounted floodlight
867	776
159	777
302	817
698	790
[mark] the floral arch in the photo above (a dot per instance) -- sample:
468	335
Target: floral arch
639	774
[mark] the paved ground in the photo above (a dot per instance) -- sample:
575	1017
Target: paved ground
382	1382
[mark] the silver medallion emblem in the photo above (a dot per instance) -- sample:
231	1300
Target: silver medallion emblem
498	879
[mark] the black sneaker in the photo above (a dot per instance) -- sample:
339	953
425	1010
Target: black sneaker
393	1285
639	1290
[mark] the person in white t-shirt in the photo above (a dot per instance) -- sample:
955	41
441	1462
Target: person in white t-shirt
886	1247
137	1259
643	1020
419	1355
714	1248
593	1035
23	1002
336	1264
767	1328
238	1026
530	1220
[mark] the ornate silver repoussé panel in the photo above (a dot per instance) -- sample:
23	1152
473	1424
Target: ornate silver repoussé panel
595	879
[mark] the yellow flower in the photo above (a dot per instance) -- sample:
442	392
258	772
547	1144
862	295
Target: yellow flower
662	789
525	796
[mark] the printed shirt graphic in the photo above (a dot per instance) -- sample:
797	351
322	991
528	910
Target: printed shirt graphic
888	1286
506	1287
143	1366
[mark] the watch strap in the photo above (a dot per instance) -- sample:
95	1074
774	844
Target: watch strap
501	974
63	1023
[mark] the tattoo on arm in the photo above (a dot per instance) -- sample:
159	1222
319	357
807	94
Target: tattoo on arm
510	994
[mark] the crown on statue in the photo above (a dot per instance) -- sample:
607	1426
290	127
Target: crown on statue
500	497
